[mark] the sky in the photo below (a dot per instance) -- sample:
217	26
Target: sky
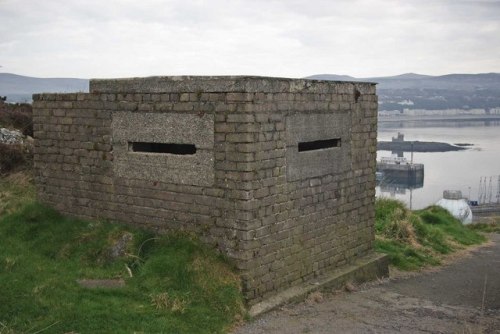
285	38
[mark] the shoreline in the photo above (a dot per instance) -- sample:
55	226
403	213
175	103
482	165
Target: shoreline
407	118
420	146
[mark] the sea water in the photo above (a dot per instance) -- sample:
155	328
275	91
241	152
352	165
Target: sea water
458	170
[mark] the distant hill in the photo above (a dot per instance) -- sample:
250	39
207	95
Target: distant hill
20	88
405	91
417	91
409	76
333	77
413	80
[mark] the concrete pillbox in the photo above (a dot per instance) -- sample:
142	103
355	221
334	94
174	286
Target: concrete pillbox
278	174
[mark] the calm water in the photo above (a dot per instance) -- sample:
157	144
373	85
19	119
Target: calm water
459	170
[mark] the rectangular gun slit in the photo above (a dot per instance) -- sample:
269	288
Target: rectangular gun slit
168	148
319	144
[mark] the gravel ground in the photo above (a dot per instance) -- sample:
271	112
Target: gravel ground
462	297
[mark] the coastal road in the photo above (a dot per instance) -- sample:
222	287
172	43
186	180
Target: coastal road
462	297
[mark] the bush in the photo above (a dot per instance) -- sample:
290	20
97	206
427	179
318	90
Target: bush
13	157
18	116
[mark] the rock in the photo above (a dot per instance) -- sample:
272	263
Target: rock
314	298
29	144
11	136
121	246
101	283
349	287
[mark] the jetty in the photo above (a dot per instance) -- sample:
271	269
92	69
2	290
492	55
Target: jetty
397	170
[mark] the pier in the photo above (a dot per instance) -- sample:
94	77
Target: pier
399	171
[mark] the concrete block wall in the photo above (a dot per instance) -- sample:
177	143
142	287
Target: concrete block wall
282	214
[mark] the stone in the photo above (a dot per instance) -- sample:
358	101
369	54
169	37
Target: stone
121	246
101	283
11	136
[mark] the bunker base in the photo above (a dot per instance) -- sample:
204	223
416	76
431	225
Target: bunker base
370	267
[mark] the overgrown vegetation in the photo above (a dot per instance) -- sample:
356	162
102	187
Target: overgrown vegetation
413	239
16	156
487	225
177	284
16	190
17	116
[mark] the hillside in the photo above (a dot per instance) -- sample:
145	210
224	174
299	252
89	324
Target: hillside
405	91
19	88
416	91
470	82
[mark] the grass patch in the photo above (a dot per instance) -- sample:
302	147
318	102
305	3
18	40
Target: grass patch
414	239
487	225
178	285
16	190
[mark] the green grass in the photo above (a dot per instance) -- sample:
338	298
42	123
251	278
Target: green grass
16	190
414	239
178	285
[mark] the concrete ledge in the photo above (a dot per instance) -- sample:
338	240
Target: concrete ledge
367	268
226	84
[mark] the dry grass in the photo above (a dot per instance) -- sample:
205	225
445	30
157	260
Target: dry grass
163	301
489	220
15	190
445	260
314	298
13	157
486	224
5	329
211	270
401	228
414	239
160	301
350	287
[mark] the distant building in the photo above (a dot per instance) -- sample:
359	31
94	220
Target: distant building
443	112
399	138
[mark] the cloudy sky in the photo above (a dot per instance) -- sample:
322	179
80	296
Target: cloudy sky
289	38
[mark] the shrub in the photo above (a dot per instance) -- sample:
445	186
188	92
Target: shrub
18	116
12	157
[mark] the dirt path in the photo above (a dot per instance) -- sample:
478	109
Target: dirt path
449	300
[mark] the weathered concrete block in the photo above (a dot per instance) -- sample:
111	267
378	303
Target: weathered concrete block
318	144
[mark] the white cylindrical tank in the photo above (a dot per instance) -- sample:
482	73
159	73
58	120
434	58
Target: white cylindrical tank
456	205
